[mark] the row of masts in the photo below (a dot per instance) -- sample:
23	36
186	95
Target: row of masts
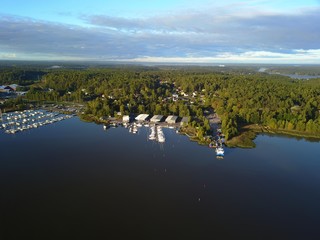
156	134
19	121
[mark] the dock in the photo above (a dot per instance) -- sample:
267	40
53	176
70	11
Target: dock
20	121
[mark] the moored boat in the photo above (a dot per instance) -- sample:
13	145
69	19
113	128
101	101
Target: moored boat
219	151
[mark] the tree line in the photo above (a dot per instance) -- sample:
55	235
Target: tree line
240	98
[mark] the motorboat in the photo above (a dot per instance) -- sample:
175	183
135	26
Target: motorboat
219	151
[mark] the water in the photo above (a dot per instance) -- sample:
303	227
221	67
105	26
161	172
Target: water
72	180
303	77
294	76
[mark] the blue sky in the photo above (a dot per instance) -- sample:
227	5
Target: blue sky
274	31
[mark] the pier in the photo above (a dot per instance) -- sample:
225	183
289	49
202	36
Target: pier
19	121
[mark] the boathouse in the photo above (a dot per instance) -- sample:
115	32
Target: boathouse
184	121
142	117
156	118
171	119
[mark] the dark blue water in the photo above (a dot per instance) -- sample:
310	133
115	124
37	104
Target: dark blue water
72	180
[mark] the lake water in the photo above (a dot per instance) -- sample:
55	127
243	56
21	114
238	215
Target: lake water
294	76
303	77
72	180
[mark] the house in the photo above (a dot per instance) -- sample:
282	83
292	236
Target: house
6	89
14	86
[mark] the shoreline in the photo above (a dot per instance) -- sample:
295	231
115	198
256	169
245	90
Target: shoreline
248	134
245	139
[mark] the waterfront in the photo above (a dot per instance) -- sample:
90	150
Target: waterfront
73	179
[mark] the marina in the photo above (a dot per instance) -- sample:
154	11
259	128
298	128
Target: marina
20	121
156	132
157	123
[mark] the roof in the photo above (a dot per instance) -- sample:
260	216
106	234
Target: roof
185	119
171	118
10	87
14	86
156	118
142	117
6	88
126	118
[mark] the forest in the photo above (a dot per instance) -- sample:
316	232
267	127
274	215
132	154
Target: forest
241	97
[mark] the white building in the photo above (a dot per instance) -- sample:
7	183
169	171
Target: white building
185	120
156	118
171	119
142	117
126	118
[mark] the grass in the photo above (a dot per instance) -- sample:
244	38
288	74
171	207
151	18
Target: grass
243	140
92	118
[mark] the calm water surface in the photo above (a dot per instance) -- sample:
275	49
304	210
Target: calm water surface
72	180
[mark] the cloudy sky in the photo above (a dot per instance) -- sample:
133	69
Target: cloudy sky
191	31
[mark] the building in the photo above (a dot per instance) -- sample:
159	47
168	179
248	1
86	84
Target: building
126	118
142	117
156	118
184	121
14	86
6	89
171	119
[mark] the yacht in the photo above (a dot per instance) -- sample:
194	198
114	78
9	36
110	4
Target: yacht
152	135
134	129
160	135
219	151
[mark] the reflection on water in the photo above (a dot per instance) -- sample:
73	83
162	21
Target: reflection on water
73	180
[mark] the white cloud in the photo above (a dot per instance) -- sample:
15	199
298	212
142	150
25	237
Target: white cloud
305	56
8	55
201	36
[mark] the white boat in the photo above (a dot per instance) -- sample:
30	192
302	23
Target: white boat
152	135
134	129
160	135
219	151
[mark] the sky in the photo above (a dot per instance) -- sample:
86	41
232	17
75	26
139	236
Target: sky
186	31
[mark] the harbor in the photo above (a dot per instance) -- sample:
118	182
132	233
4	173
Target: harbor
156	123
20	121
155	130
